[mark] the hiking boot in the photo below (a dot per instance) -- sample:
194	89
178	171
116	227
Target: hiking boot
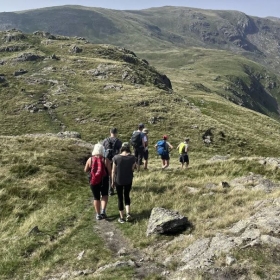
111	191
98	217
103	215
121	220
128	218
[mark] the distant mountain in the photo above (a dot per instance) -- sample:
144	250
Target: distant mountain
158	28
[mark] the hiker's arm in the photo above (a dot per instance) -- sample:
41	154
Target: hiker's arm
87	166
178	147
113	174
186	148
143	142
170	146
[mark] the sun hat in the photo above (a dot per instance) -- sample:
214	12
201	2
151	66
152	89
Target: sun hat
165	137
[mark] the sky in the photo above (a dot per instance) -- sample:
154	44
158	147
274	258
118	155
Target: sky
260	8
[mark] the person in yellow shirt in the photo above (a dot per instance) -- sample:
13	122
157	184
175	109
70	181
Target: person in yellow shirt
183	151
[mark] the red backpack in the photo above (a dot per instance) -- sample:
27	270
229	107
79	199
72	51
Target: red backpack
97	171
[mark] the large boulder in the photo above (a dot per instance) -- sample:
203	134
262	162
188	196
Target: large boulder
166	221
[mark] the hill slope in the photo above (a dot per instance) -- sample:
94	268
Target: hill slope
158	28
53	84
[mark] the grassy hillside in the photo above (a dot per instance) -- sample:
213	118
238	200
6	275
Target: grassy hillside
47	218
158	29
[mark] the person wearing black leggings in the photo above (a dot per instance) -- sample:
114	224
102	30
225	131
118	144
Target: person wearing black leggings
122	177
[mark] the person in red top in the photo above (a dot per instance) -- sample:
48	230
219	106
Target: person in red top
99	175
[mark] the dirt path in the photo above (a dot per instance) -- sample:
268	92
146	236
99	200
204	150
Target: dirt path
120	247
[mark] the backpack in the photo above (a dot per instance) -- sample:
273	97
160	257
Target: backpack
182	148
95	174
161	148
110	150
136	139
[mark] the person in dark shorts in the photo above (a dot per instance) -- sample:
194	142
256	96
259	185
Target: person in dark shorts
112	147
139	149
183	151
146	151
122	177
165	157
98	185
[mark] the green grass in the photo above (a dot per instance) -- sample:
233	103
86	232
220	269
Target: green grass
42	182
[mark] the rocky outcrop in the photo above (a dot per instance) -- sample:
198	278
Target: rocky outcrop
20	72
254	182
69	134
261	228
166	221
75	49
28	57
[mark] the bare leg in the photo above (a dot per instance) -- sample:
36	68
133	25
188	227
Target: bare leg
96	204
166	164
127	209
104	201
145	164
121	214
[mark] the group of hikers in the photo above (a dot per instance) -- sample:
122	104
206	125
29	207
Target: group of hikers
112	164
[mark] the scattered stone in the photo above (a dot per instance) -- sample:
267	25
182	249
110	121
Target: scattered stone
112	86
255	182
69	134
225	185
34	230
20	72
166	221
122	252
217	157
28	57
75	49
16	36
230	260
80	256
2	79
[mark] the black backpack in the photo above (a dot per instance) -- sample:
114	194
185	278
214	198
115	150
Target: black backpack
136	140
110	150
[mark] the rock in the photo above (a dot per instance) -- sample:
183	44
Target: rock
163	80
122	252
202	252
34	230
16	36
225	185
2	79
255	182
69	134
217	157
80	256
166	221
230	260
270	240
28	57
20	72
75	49
115	87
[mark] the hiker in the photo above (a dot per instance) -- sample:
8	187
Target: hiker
183	151
112	147
146	151
122	177
163	148
98	172
138	143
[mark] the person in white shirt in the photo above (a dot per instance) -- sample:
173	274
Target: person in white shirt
146	151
